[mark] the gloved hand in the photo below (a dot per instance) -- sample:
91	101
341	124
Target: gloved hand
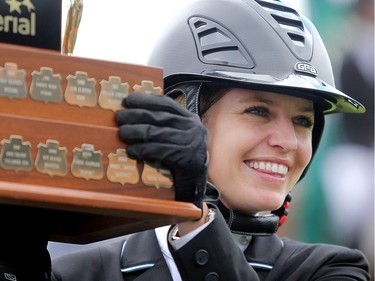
23	244
157	128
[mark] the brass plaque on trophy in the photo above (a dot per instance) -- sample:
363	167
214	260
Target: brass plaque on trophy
87	163
60	148
51	159
156	176
81	90
147	87
12	81
15	154
46	86
121	168
112	93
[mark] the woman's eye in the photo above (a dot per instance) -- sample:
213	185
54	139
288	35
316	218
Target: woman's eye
257	110
304	121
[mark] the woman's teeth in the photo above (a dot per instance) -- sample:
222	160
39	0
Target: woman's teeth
269	166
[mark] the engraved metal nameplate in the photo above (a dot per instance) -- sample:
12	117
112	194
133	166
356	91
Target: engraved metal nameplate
147	87
112	93
51	159
15	154
155	176
87	163
46	86
121	168
12	81
81	90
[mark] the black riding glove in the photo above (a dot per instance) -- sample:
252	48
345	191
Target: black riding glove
157	128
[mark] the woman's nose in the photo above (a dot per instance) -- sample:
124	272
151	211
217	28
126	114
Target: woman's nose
284	135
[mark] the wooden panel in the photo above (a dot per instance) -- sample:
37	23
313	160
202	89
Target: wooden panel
86	209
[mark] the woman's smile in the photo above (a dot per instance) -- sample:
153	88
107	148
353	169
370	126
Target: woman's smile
259	144
268	167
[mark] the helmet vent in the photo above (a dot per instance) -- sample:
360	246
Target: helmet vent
288	23
199	24
297	39
217	45
292	27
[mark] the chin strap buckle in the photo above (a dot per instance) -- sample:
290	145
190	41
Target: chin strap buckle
283	211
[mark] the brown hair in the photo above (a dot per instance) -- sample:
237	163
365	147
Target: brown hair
209	95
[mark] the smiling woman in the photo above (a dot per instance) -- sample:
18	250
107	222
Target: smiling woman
252	94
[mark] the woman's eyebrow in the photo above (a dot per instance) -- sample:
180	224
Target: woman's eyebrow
307	109
257	99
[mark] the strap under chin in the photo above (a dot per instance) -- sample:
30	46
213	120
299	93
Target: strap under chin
255	225
249	225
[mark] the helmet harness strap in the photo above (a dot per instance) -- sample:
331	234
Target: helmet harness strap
255	225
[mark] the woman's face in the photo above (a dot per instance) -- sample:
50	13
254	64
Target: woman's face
259	145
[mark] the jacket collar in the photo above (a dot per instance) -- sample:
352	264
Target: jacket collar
141	254
263	251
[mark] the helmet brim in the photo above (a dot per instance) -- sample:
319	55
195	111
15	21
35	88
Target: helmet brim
328	98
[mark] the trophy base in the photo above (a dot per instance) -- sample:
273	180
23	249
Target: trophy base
80	217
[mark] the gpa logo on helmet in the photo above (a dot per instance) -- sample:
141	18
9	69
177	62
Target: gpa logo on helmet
305	68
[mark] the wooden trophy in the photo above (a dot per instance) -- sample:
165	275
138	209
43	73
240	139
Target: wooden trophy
60	149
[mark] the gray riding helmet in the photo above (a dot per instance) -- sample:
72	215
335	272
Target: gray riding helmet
261	44
264	45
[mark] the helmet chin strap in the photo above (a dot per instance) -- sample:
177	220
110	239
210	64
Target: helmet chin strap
255	225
